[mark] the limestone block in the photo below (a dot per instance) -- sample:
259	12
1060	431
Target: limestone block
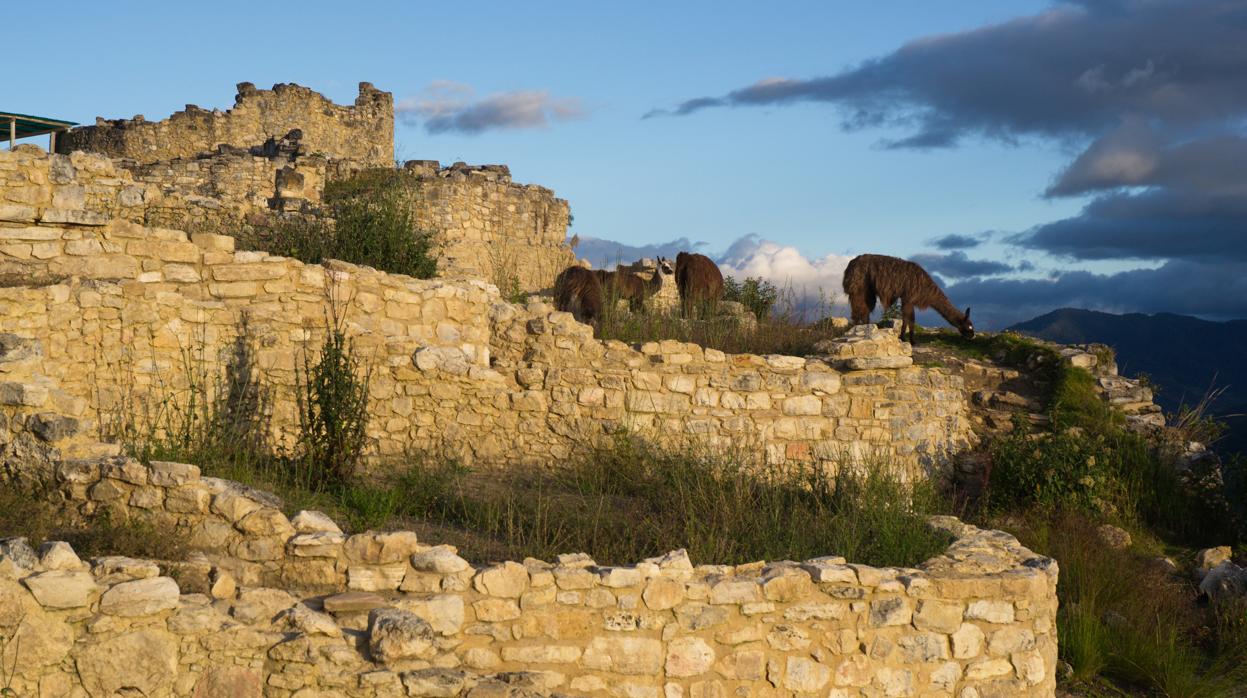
434	683
353	602
688	656
374	548
440	559
114	569
141	597
395	634
507	580
170	474
58	555
443	612
632	656
323	544
307	521
145	661
62	588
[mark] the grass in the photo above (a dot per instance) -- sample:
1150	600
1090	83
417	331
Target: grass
778	331
1123	619
28	513
627	500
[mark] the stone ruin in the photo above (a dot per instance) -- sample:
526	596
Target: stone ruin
106	292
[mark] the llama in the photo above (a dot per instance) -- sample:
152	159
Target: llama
888	279
699	280
579	291
621	284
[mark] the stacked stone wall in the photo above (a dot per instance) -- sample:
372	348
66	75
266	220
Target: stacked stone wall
126	315
283	606
489	227
362	133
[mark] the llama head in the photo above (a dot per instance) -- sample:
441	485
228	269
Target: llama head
664	266
965	327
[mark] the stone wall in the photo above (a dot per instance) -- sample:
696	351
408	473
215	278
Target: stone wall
363	132
125	316
384	614
489	227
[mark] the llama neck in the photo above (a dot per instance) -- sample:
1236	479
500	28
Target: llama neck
947	310
655	282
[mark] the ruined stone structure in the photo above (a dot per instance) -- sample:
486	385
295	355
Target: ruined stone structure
489	227
281	607
114	309
273	153
110	307
361	133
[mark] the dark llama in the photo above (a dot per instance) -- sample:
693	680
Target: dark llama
871	277
698	279
579	291
628	286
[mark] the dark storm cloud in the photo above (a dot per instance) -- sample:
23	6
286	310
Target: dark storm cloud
957	242
1154	224
1075	69
1136	155
957	265
1176	287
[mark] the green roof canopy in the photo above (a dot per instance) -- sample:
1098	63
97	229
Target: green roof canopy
23	125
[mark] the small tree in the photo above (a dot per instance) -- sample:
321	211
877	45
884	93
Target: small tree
755	293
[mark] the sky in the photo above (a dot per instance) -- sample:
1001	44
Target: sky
1031	155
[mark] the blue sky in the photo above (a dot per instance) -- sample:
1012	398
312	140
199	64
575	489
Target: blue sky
782	169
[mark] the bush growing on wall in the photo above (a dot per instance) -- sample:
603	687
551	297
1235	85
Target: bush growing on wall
755	293
332	398
372	226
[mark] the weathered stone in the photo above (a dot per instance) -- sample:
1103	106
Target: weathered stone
439	560
62	588
394	634
142	597
507	580
688	656
353	602
57	555
624	655
806	675
145	661
314	522
114	569
434	683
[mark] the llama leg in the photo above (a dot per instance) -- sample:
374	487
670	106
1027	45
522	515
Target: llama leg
907	312
860	309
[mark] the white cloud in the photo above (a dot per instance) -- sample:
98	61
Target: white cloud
812	281
445	106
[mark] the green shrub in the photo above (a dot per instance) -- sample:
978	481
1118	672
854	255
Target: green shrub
332	398
755	293
372	226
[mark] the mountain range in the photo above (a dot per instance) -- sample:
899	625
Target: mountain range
1183	356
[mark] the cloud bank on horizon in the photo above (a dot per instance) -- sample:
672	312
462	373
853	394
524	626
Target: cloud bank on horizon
446	107
1154	92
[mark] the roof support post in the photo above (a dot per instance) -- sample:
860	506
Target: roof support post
12	131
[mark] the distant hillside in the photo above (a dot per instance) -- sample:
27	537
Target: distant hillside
1182	354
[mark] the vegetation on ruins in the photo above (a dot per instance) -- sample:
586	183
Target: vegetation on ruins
1124	616
783	330
369	223
28	511
755	293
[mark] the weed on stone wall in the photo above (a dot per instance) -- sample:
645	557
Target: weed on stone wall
332	398
366	221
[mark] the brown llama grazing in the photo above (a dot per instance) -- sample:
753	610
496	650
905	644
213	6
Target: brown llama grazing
622	284
698	279
873	276
579	291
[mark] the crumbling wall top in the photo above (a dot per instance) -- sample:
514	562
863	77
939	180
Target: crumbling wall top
362	132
